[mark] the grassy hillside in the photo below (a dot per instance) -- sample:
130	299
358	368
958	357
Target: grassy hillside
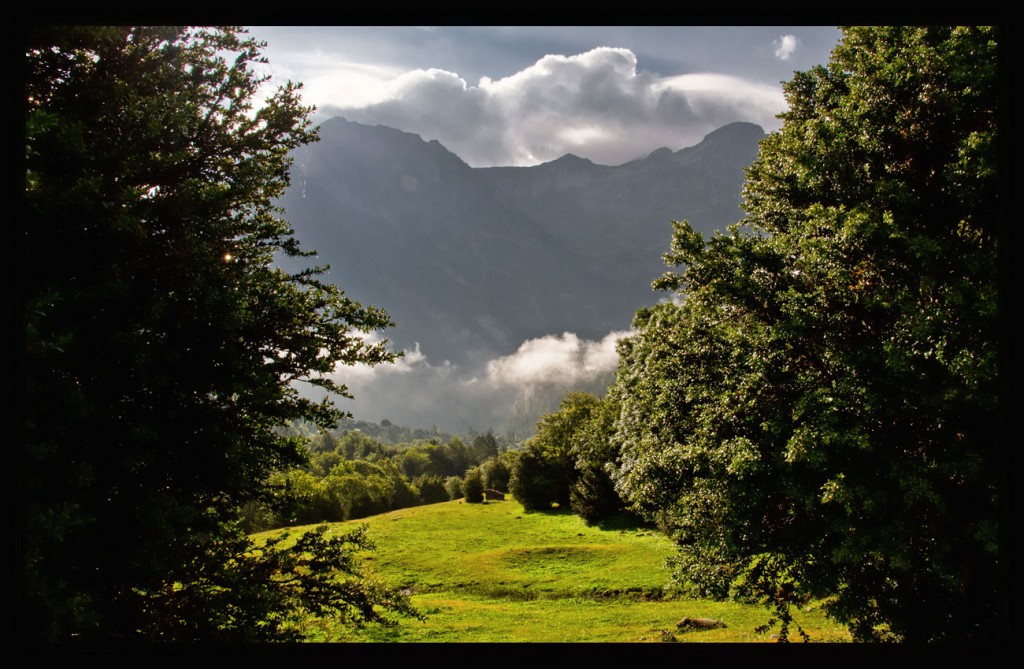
493	573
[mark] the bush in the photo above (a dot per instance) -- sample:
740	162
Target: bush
536	484
453	485
497	471
473	485
431	489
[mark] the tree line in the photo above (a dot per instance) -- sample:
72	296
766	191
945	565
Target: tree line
350	475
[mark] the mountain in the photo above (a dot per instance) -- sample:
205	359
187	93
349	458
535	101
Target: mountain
406	225
619	217
471	262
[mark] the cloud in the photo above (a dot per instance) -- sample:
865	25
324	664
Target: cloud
559	360
409	362
595	104
552	359
785	46
507	393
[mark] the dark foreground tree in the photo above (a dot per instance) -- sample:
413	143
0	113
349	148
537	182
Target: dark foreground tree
819	416
162	347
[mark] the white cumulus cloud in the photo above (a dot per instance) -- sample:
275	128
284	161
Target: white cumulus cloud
556	359
595	104
507	392
785	46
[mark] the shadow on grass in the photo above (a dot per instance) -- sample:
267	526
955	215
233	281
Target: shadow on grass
623	521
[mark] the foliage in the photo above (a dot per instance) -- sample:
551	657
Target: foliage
818	417
545	470
359	446
309	499
484	446
473	485
390	433
316	577
431	489
452	458
595	452
362	477
453	485
163	348
322	578
571	459
498	469
415	462
405	493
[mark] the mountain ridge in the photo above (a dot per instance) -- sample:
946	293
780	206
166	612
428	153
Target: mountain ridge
445	247
472	262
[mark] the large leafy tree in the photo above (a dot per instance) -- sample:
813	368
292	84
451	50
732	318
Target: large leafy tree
816	415
163	345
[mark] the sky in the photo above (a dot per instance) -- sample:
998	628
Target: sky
527	95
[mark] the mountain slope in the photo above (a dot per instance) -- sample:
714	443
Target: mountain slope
622	213
470	262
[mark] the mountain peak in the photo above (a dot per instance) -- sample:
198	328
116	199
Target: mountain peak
570	159
383	140
660	153
739	130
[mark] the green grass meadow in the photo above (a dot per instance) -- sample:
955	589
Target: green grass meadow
494	573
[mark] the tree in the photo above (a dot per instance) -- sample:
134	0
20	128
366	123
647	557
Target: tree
545	471
595	452
818	417
484	446
312	499
473	485
453	486
452	458
162	344
431	489
497	470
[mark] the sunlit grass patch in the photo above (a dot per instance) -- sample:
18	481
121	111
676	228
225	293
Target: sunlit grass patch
494	573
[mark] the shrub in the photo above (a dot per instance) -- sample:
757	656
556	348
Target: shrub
473	485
